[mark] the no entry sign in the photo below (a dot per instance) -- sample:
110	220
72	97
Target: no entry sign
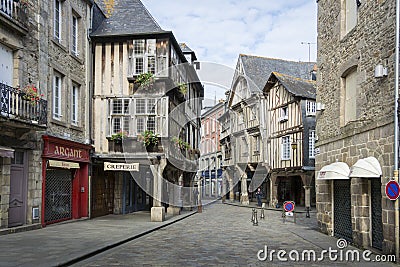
288	206
392	190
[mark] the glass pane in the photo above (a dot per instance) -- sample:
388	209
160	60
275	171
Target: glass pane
117	106
140	106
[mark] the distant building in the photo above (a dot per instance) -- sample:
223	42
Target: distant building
245	140
210	171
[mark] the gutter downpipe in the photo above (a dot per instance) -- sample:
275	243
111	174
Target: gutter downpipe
396	130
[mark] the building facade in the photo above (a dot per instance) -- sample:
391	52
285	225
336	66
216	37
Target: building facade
355	126
290	119
147	101
43	89
210	171
246	141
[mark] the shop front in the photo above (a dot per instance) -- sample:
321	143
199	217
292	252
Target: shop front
65	186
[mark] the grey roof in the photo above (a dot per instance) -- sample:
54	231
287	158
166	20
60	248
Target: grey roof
185	48
296	86
126	17
258	69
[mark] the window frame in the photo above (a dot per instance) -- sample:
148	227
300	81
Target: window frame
284	116
57	20
285	147
311	144
311	108
75	34
57	96
75	90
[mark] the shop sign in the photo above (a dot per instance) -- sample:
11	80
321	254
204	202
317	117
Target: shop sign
111	166
63	164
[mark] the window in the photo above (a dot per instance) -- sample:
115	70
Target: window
228	150
57	20
140	106
311	145
350	98
74	36
143	56
120	116
74	104
349	13
285	148
284	114
57	83
252	111
311	107
162	56
256	145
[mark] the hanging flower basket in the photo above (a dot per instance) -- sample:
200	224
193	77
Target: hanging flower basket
30	94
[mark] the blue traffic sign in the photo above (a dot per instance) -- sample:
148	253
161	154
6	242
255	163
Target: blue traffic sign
288	206
392	190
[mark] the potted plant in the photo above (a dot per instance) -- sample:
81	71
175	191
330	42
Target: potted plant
30	94
183	88
117	137
182	145
149	139
145	79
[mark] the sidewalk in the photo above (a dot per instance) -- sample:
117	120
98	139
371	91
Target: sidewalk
65	243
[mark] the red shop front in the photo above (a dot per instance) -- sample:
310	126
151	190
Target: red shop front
65	186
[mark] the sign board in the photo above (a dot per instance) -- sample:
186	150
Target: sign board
111	166
288	206
392	190
290	214
63	164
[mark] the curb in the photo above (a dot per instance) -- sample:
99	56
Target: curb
119	243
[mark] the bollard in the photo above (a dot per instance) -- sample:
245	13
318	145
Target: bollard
308	212
283	216
255	222
252	215
262	215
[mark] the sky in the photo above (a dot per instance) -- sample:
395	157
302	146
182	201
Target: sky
219	30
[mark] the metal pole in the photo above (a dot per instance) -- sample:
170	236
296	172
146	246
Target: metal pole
396	130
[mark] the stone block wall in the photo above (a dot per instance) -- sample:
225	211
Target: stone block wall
5	165
371	42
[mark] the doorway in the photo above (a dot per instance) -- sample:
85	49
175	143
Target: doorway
18	189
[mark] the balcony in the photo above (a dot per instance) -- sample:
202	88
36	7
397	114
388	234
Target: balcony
14	11
15	105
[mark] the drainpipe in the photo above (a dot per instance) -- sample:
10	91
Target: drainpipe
396	130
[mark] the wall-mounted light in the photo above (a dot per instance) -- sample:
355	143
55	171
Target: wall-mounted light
320	106
358	3
380	71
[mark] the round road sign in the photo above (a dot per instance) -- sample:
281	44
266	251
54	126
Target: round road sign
288	206
392	190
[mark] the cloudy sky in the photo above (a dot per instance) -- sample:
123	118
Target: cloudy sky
219	30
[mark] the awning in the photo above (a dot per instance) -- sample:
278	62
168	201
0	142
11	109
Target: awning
366	168
6	152
334	171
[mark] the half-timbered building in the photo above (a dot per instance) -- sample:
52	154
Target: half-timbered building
145	88
247	111
290	119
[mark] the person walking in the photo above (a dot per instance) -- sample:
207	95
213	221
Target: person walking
259	195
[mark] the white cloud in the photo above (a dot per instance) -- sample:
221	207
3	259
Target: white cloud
219	30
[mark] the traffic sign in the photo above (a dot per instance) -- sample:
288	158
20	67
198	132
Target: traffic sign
288	206
392	190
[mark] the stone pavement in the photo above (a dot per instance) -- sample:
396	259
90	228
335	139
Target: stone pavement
223	235
61	244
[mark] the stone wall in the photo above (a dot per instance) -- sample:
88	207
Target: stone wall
371	42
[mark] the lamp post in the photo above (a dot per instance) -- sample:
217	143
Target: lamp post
309	49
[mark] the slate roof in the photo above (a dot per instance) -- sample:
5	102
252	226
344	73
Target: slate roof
125	17
295	86
258	69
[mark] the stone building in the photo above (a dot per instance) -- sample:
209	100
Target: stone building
210	150
355	125
147	101
245	140
43	89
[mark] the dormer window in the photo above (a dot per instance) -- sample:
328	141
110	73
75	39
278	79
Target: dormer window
311	108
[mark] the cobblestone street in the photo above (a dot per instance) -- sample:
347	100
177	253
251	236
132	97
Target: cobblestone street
223	235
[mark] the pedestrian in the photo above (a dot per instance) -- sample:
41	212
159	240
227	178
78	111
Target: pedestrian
259	196
196	196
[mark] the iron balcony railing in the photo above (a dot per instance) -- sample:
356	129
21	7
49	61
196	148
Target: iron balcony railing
15	104
14	9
